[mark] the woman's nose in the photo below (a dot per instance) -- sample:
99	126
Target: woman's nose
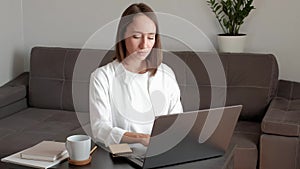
143	43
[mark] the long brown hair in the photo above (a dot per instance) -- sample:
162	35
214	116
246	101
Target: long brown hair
155	57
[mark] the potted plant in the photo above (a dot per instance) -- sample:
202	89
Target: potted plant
230	15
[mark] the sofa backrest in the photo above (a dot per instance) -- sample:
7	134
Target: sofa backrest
51	81
289	90
251	79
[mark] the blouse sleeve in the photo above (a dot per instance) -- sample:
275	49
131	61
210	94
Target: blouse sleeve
100	111
175	103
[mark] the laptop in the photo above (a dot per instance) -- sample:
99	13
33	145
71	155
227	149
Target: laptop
186	137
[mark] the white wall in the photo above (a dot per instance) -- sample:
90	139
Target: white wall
11	40
273	27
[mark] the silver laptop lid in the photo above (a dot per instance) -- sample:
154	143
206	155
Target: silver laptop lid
191	136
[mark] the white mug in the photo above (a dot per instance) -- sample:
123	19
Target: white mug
78	147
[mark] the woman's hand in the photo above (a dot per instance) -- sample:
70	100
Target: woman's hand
131	137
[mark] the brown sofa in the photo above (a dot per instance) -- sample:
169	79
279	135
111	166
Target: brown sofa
41	104
280	141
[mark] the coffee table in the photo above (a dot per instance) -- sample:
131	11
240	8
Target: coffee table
103	159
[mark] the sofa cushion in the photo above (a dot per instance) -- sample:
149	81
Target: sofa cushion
246	137
52	84
11	94
13	108
32	125
288	89
283	115
245	154
35	119
252	87
279	152
12	99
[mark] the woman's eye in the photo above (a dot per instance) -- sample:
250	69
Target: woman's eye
136	36
151	38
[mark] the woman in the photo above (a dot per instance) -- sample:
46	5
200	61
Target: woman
127	94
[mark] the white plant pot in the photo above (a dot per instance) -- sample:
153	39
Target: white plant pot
232	44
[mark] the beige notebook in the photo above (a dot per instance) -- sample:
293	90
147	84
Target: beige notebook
15	159
45	151
119	149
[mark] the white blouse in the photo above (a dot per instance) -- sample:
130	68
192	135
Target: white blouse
122	101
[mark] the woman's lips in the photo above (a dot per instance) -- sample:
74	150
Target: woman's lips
143	52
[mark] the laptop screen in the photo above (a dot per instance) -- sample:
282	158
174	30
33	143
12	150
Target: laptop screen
189	136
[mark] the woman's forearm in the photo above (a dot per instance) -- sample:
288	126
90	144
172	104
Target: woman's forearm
130	137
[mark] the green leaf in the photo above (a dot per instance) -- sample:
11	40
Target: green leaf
231	13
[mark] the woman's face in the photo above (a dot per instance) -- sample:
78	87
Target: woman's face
140	37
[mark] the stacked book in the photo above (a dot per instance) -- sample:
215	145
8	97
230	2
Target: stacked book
42	155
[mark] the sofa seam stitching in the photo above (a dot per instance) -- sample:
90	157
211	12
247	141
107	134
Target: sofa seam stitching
260	87
63	80
281	122
290	96
246	148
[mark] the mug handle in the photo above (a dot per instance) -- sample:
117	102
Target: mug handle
67	147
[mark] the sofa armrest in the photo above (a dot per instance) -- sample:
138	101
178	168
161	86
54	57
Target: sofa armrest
13	95
22	79
283	114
